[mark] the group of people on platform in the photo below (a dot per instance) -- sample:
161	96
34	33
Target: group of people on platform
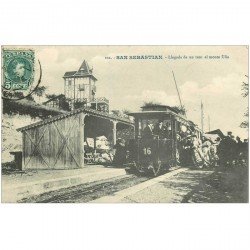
233	151
205	152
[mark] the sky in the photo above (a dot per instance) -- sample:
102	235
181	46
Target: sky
129	83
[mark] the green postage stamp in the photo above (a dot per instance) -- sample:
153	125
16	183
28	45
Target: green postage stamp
18	69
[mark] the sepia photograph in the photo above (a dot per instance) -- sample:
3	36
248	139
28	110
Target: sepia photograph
125	124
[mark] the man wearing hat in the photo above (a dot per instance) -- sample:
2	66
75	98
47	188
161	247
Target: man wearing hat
160	130
148	131
226	150
120	153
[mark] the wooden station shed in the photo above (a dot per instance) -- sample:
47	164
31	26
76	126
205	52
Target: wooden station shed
58	142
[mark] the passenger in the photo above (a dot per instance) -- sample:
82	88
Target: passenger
160	130
206	151
239	153
245	150
222	151
229	133
226	150
214	152
148	131
233	150
186	152
179	149
120	153
196	153
180	145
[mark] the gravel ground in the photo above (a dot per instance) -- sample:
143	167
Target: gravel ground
225	185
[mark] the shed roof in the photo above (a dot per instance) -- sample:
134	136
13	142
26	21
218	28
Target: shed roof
77	111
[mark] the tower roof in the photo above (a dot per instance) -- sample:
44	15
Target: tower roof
83	71
84	68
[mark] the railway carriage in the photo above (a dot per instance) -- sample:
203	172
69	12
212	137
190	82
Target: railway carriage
154	155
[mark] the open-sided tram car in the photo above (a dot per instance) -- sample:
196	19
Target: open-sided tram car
155	155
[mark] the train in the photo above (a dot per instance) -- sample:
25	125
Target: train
154	153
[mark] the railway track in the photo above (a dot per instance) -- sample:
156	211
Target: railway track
88	192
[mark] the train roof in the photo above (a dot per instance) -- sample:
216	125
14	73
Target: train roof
179	118
163	109
157	109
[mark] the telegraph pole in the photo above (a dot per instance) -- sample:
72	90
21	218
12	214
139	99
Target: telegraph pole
177	90
209	123
176	86
202	117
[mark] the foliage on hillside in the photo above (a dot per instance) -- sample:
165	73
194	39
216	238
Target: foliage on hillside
27	107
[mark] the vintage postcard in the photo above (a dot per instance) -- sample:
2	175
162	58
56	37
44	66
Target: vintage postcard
124	124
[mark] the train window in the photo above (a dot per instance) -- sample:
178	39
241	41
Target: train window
142	124
167	124
145	122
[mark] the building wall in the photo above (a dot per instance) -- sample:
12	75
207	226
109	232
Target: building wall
80	82
56	145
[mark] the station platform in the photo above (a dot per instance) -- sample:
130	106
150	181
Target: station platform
172	187
17	186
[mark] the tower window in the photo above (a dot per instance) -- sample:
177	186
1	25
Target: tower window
81	87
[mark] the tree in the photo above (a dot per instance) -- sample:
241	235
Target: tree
151	103
50	96
39	91
79	104
126	111
245	89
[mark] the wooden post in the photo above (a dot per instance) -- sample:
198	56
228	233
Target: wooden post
114	132
23	153
95	145
82	125
202	117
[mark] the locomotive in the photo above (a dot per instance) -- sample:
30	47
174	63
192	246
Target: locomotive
154	153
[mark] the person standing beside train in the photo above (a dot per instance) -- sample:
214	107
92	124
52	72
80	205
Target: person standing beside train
120	153
206	145
196	153
188	151
214	152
